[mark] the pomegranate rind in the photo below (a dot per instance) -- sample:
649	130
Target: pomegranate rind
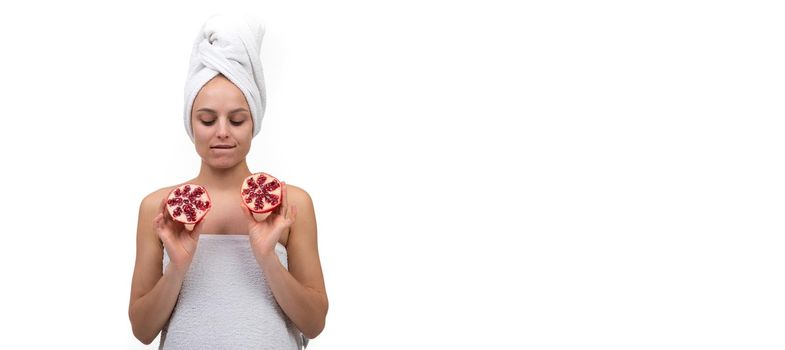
199	211
262	192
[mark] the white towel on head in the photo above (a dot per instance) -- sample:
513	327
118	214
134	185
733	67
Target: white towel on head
228	44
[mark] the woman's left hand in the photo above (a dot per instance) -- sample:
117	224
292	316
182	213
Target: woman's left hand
265	234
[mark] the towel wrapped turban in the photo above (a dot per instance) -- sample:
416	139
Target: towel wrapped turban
228	44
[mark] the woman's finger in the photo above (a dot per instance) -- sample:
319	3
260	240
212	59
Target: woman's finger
157	221
285	204
197	229
246	213
159	228
294	214
165	213
285	197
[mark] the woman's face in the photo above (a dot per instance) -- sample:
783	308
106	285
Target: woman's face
222	124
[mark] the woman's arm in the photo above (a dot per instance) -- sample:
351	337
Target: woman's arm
153	294
299	291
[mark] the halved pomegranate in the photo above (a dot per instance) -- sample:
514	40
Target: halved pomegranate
188	204
261	193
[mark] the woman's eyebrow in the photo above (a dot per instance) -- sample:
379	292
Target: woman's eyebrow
231	112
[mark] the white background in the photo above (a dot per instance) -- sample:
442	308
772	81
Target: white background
528	175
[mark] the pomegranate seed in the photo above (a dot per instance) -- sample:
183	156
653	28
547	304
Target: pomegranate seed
271	198
271	186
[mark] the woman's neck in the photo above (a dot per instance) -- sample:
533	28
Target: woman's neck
223	178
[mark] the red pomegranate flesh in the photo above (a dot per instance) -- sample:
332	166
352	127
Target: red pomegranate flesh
188	203
261	193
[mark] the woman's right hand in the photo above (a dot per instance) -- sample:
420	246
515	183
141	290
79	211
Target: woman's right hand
180	244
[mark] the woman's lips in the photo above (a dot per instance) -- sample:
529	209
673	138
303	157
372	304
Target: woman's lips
222	149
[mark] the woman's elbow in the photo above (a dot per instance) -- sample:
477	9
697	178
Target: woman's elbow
314	331
147	341
143	337
318	326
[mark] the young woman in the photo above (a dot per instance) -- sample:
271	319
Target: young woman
232	282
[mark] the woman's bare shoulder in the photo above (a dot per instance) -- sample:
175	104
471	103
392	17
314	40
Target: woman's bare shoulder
297	195
153	199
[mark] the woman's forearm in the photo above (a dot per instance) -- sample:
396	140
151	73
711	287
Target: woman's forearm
150	313
306	307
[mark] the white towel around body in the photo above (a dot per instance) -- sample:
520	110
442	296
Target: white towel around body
226	303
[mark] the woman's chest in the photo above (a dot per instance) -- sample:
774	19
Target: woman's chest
227	216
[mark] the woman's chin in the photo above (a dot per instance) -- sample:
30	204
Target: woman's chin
222	163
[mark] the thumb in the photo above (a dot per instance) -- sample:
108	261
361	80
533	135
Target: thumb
293	214
246	212
197	229
158	226
157	223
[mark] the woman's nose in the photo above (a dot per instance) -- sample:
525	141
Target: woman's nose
223	128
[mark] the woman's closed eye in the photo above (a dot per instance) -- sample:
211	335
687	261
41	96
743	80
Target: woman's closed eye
211	122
